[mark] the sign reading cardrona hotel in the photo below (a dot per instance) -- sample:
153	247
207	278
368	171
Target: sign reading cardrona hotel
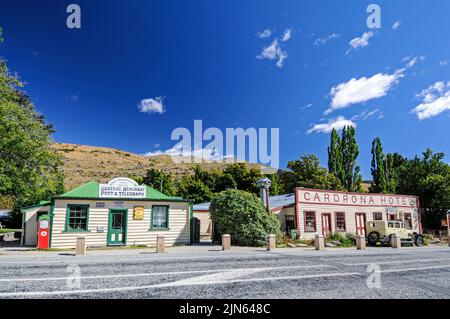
122	188
339	198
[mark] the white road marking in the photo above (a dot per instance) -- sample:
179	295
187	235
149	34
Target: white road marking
164	273
415	268
171	284
397	262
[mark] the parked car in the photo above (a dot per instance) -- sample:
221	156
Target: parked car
380	231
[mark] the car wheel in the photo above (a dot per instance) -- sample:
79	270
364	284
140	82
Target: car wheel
419	241
373	238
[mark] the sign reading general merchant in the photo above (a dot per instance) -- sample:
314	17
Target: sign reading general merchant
308	196
122	187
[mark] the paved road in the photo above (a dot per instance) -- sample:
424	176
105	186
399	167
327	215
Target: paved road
242	273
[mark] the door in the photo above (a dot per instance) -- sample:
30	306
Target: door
197	229
290	224
117	227
360	224
326	224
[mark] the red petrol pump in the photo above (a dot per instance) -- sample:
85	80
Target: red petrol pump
44	232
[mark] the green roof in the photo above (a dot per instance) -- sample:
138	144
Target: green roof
91	190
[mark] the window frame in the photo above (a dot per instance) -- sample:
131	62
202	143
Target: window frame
69	206
152	227
377	213
336	222
407	221
315	221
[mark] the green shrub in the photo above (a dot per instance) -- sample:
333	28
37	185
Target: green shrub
244	217
346	240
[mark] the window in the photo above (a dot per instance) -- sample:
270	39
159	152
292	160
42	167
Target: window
77	217
340	221
377	216
408	220
392	216
310	221
160	217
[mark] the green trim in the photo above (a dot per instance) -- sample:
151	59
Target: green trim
167	218
159	229
41	204
66	229
52	208
125	231
125	199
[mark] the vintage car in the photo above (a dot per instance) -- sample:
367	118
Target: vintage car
380	231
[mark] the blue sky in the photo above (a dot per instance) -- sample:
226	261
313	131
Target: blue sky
207	60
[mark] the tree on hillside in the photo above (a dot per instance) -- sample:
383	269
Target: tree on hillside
306	172
159	180
350	151
191	188
245	178
379	161
428	177
244	217
29	168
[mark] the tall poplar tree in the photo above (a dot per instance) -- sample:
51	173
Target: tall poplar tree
351	172
378	165
335	156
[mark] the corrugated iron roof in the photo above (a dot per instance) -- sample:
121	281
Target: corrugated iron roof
277	201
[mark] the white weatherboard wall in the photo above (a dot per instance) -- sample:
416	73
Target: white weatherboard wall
30	224
319	201
138	232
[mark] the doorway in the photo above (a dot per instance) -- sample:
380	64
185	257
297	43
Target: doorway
360	223
117	227
326	224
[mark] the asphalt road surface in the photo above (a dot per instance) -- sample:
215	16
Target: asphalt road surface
249	273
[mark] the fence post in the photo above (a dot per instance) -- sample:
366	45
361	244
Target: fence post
226	242
360	242
319	242
396	241
271	242
80	245
160	244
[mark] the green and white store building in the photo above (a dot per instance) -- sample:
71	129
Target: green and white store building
119	213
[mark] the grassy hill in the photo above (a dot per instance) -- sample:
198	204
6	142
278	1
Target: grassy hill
84	163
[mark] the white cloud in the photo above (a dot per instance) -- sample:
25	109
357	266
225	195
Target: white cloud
152	105
361	42
177	150
304	107
435	100
324	40
365	115
264	34
396	25
336	123
74	97
287	35
443	63
366	88
272	52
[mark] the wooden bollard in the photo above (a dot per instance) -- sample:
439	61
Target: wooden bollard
396	241
271	242
226	242
360	242
160	244
81	246
319	242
